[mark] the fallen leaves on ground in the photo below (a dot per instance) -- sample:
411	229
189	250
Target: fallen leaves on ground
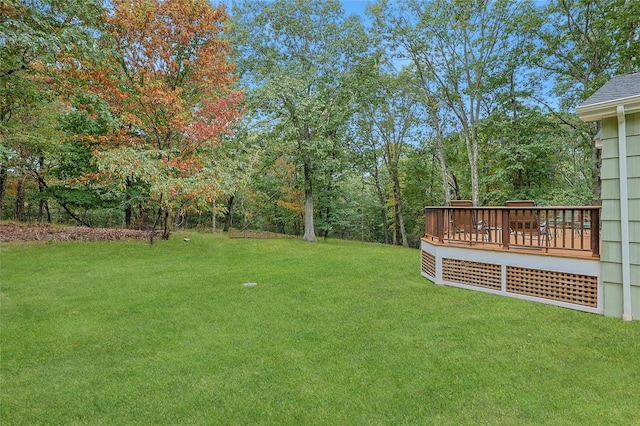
46	232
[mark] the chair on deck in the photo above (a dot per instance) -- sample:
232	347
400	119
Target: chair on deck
526	221
464	220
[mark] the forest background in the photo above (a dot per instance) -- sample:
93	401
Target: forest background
295	117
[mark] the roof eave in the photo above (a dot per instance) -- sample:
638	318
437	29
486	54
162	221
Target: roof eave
598	111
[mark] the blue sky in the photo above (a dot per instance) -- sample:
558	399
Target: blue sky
355	7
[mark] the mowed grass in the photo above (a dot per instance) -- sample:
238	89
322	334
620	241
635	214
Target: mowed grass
334	333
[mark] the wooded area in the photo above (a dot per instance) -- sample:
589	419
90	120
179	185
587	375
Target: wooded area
291	116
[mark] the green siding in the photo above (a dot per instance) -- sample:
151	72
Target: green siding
609	148
633	187
611	231
633	145
609	169
611	252
634	253
634	230
633	167
634	209
633	124
613	271
610	128
610	209
635	275
612	299
611	190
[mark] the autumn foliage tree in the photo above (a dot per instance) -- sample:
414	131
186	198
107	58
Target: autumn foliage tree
168	82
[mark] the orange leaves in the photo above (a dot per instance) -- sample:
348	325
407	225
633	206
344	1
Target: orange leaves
292	202
168	83
172	82
185	166
173	37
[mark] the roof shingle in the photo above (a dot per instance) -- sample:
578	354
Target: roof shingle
619	87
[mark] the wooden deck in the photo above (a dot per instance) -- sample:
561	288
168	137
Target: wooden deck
544	254
562	244
556	231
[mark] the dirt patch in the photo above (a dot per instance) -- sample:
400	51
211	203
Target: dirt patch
235	233
46	232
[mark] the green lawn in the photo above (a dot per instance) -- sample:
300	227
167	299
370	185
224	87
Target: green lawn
334	333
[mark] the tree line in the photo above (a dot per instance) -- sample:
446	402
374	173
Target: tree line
293	116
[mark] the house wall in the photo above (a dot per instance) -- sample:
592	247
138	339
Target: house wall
611	253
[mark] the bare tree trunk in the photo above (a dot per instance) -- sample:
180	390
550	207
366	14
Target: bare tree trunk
472	154
166	223
309	231
443	164
383	210
128	209
229	216
128	212
3	185
20	199
43	204
213	217
399	215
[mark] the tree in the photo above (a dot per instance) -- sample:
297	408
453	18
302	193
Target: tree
583	44
300	59
366	157
36	34
168	82
392	113
457	46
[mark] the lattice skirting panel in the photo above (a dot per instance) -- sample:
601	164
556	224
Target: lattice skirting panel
472	273
428	264
561	286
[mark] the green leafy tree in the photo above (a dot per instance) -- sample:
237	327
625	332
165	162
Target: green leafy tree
36	35
457	47
583	44
392	115
300	60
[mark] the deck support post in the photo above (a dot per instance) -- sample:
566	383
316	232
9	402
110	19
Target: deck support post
506	232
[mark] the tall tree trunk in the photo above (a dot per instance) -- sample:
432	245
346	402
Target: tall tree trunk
166	223
128	212
43	205
20	199
443	164
472	153
128	209
400	218
309	231
229	216
325	232
3	185
381	200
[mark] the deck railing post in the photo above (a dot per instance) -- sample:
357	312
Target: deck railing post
506	234
595	232
440	224
426	222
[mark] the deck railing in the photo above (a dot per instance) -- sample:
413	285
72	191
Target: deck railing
548	229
